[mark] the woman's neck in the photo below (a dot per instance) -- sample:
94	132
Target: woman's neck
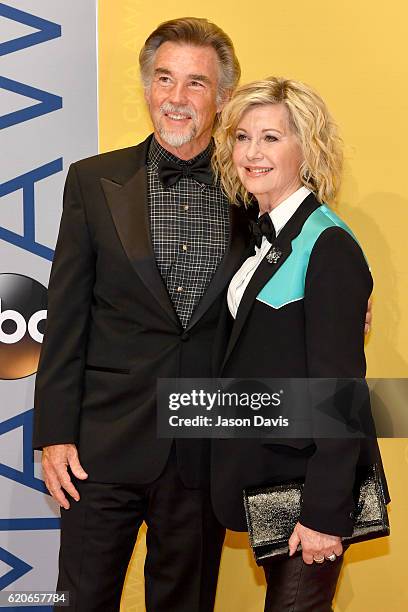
270	200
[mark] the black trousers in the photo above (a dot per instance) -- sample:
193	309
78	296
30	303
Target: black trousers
184	542
294	586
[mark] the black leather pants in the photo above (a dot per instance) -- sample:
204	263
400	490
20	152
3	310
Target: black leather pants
294	586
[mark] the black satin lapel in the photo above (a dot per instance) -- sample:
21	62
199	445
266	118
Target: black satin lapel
266	270
128	207
229	264
262	275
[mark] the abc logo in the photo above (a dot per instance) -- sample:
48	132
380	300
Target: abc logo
23	303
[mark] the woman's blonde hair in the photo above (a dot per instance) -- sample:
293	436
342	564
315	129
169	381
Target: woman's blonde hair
309	119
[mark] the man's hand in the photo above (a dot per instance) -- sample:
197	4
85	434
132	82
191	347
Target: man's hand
55	460
369	316
315	545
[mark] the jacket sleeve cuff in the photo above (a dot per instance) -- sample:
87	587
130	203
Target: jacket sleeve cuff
338	525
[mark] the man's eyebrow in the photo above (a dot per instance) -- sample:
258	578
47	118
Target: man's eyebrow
162	71
200	77
192	77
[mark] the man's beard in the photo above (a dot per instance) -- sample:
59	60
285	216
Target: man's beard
172	137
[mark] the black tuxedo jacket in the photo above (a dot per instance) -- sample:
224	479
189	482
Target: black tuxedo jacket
320	335
112	330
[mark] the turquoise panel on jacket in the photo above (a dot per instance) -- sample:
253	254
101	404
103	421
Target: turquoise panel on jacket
288	283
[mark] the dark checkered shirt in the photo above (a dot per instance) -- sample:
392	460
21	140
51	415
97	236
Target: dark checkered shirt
189	224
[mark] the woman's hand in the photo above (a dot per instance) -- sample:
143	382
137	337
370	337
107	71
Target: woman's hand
369	316
315	545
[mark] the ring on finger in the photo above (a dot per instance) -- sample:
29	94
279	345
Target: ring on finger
319	560
331	557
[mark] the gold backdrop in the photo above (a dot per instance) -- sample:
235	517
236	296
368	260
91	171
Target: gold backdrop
354	54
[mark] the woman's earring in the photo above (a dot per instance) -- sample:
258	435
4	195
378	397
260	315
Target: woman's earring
306	175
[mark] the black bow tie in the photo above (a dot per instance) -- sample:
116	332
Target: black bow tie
262	227
200	171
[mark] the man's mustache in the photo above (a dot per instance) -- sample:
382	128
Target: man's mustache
187	111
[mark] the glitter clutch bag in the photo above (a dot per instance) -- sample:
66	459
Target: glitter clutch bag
272	513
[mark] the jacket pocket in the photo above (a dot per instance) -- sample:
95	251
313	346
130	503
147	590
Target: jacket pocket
106	369
287	444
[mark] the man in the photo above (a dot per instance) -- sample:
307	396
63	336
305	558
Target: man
146	248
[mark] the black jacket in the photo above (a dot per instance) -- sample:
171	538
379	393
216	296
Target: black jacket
112	329
317	335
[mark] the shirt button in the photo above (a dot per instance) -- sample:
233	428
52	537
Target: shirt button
185	207
184	247
180	289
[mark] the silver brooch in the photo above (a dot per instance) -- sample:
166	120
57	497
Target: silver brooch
273	256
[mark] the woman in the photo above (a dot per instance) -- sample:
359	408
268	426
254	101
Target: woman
297	309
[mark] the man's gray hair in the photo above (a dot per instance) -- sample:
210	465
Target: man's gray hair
198	32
